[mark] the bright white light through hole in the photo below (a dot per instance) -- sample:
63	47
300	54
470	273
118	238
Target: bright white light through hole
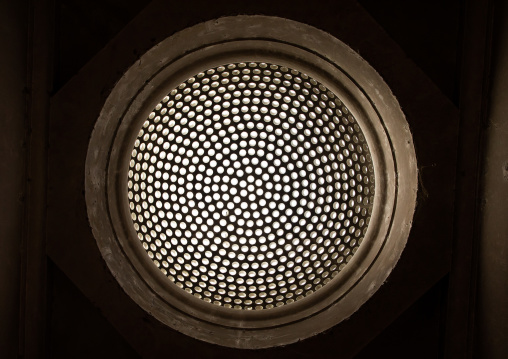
250	185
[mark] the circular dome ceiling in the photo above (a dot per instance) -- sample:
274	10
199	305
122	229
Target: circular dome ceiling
251	181
250	185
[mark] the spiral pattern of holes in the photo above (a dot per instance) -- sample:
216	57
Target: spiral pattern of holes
250	185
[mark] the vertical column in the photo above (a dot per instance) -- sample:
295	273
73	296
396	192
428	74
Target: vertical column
33	313
473	101
13	42
492	310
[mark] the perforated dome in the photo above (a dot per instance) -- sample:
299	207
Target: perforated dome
250	185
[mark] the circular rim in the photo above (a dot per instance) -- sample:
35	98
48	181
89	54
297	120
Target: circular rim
242	39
